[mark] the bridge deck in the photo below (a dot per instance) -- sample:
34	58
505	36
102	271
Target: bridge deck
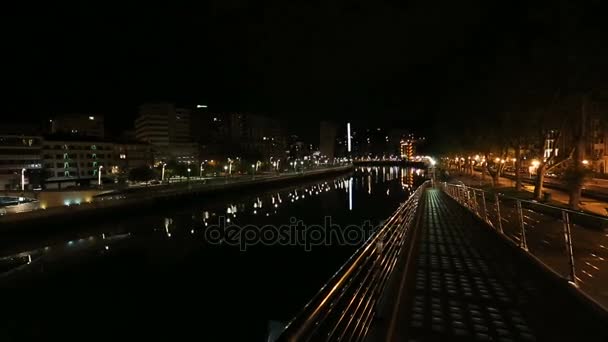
468	285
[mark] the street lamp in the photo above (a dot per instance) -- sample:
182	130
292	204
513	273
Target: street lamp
23	179
99	175
202	168
162	174
189	169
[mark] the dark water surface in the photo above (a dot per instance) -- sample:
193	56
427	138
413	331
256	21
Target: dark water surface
164	275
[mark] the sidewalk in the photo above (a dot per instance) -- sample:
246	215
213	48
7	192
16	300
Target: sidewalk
466	285
589	205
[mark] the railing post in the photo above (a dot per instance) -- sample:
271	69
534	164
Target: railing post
485	211
498	213
459	194
568	240
522	242
475	203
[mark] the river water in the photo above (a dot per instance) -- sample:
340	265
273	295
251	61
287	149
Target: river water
218	270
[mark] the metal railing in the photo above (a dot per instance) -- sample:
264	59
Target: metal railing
345	307
572	244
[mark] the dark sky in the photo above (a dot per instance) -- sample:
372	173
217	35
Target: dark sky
409	63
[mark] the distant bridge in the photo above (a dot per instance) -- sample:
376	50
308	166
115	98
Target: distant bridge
404	163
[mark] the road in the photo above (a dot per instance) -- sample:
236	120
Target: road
588	204
594	188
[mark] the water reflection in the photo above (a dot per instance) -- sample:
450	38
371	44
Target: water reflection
263	205
170	244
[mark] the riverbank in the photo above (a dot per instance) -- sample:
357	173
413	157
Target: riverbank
124	203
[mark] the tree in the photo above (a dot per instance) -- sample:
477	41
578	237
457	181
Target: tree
141	174
576	173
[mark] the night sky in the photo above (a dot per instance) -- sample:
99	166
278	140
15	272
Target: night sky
416	64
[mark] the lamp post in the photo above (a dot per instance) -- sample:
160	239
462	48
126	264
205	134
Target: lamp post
253	167
202	168
189	169
162	173
99	175
23	179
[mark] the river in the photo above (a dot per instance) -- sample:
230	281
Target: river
216	269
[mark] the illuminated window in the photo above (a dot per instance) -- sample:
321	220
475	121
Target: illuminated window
123	156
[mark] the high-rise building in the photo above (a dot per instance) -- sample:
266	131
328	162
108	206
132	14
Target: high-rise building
407	149
167	129
242	135
408	146
83	125
327	139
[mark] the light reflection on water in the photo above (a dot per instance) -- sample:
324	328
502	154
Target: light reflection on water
176	237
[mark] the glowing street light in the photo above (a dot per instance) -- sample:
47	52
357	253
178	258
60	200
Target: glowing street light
202	168
162	174
99	175
585	162
23	179
535	163
348	135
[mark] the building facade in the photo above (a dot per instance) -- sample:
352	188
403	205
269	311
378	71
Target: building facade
130	155
327	139
76	162
20	153
167	129
233	134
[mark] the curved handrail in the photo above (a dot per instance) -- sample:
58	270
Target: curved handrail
344	305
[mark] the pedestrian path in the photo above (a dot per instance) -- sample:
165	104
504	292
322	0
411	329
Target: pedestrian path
468	285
